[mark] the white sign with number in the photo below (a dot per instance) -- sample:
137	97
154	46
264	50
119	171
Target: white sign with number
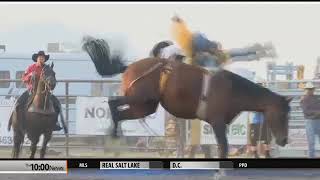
93	116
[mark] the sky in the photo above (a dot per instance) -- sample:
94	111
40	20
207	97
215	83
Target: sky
136	27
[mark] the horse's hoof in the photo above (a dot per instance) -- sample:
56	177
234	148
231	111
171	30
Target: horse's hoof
120	133
114	135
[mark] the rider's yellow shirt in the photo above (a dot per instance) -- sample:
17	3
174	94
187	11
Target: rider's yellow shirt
183	36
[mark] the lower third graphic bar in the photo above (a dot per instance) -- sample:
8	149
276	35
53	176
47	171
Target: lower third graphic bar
33	167
194	165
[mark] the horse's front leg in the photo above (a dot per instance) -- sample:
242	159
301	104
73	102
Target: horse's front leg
130	107
18	138
46	139
219	129
34	138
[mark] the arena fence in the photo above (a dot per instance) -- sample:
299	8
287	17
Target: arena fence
74	145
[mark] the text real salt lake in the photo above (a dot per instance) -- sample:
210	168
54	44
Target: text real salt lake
122	165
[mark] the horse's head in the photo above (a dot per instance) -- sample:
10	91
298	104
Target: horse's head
48	77
279	119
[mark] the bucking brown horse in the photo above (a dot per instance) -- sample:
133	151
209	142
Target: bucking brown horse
188	92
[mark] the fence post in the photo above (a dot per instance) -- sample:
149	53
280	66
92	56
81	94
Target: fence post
67	116
181	123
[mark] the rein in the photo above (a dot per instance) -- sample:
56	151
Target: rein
153	68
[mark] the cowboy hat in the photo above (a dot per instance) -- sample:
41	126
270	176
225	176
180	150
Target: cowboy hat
309	85
40	53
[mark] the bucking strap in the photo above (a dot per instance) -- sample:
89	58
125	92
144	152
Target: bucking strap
164	77
203	99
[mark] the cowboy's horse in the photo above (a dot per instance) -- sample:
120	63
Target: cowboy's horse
188	92
39	115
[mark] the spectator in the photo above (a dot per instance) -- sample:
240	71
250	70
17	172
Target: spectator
259	131
310	104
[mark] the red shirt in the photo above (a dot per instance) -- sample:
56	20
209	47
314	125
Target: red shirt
26	78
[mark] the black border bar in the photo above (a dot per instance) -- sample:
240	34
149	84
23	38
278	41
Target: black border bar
161	163
224	163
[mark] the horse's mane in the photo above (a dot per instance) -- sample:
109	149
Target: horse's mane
242	85
45	66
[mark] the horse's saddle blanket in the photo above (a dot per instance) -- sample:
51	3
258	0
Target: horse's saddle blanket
49	110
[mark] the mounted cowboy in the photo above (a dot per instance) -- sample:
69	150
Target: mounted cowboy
32	73
201	51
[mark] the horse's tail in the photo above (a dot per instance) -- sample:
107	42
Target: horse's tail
10	122
99	52
156	50
65	127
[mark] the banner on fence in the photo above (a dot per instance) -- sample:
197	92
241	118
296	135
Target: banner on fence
94	118
202	133
236	132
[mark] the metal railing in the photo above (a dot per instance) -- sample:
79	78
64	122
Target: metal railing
67	97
